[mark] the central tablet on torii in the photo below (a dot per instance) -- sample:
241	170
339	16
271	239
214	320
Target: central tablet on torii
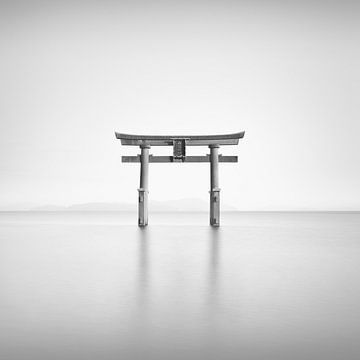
179	143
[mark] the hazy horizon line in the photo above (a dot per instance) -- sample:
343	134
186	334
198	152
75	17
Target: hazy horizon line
180	211
196	205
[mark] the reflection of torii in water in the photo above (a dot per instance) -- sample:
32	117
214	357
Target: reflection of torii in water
212	279
179	144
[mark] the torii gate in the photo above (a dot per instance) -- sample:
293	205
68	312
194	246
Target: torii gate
179	144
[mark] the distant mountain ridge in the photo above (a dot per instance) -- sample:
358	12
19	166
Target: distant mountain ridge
179	205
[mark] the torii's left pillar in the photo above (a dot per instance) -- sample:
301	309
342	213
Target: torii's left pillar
144	185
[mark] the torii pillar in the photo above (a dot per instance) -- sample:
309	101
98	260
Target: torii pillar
144	185
214	186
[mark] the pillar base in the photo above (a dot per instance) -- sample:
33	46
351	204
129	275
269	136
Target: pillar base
215	207
143	207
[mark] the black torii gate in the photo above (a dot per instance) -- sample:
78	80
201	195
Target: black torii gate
179	143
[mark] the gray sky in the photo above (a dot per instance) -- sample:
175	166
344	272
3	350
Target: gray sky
73	72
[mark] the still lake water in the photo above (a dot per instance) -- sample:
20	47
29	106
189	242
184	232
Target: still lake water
263	286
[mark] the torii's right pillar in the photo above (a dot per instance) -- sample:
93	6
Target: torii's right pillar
214	186
144	186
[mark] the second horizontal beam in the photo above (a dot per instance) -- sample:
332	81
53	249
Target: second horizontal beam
170	159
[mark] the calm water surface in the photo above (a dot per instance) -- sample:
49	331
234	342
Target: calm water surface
263	286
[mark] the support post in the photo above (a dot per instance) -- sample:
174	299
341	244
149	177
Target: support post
214	186
144	182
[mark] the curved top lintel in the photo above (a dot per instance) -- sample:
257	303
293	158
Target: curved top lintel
225	139
238	135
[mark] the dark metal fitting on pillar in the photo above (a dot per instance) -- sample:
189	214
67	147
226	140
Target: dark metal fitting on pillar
214	190
145	146
142	191
215	207
143	211
215	196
